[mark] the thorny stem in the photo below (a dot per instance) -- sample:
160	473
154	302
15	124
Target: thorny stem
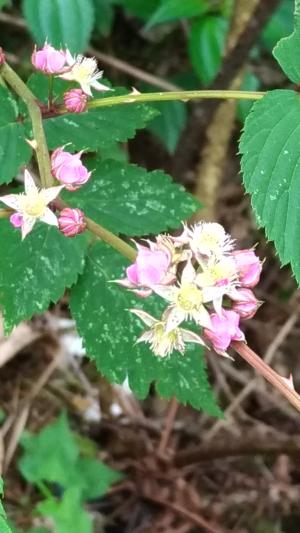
267	372
28	97
184	96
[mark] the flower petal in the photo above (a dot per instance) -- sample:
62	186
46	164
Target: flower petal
99	86
190	336
145	317
202	317
49	218
166	292
29	183
188	273
27	226
11	200
174	317
51	193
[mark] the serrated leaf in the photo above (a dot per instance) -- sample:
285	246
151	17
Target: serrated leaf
206	43
68	514
36	272
271	170
170	10
110	331
14	151
128	199
53	455
97	128
286	51
64	23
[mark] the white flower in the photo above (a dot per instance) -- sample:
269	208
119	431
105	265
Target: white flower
186	300
218	277
84	71
206	239
163	342
32	205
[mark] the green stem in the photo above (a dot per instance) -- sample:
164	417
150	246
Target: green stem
26	95
110	238
5	213
174	95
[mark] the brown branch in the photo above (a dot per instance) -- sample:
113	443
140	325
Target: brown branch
210	451
169	422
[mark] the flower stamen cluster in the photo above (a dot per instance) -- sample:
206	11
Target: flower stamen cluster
203	279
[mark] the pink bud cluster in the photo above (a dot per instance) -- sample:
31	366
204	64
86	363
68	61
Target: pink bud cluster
203	279
68	169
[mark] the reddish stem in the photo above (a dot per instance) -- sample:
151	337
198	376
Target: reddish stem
267	372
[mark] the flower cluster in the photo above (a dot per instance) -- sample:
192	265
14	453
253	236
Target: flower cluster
67	169
80	69
203	279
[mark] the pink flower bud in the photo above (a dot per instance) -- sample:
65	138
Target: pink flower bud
71	222
16	220
150	267
224	329
75	100
49	60
249	267
68	169
245	303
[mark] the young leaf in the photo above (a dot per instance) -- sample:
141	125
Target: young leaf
100	309
287	50
206	43
128	199
36	272
12	138
177	9
271	169
63	22
68	514
97	128
53	455
4	528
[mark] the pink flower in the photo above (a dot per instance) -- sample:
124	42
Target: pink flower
69	169
150	268
75	100
71	222
249	267
224	329
245	304
16	220
49	60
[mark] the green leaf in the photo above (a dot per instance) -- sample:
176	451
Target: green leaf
38	83
170	123
280	25
53	455
286	51
97	128
250	83
68	514
14	150
206	44
104	16
100	309
128	199
4	527
271	170
36	272
170	10
64	23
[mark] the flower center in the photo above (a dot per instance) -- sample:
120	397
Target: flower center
189	297
34	206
